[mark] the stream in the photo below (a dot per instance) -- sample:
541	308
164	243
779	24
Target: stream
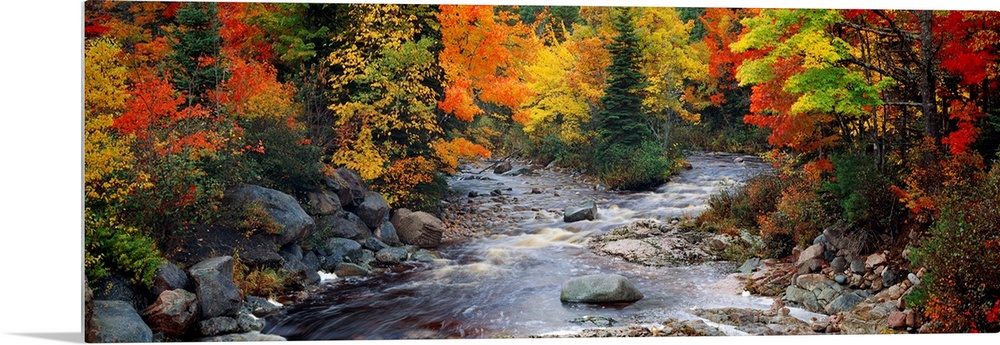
507	284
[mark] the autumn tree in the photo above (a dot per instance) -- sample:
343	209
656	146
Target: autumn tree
483	57
673	66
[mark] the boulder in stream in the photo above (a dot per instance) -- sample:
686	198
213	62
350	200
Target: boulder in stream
420	229
599	288
118	322
586	210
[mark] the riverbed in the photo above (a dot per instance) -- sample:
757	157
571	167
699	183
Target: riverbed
504	281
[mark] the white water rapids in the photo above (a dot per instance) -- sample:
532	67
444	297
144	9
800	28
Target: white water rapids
508	284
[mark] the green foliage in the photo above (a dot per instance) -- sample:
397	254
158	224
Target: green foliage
622	119
962	256
279	156
634	168
110	247
859	193
197	45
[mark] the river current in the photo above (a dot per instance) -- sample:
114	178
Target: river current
508	283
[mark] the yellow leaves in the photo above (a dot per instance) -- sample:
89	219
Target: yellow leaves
104	77
363	156
669	60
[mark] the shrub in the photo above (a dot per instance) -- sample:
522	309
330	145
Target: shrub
257	281
961	253
633	168
110	247
860	194
279	157
741	206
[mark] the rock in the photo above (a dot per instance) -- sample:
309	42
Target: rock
839	264
840	279
518	171
118	322
387	233
858	266
845	302
366	258
889	276
284	210
913	279
819	239
117	288
398	215
218	325
346	225
173	313
297	271
813	252
373	210
586	210
897	319
423	255
217	294
247	322
340	250
911	318
599	288
391	255
591	320
373	244
496	192
473	194
321	203
875	260
420	229
346	269
750	265
536	190
348	186
169	277
502	168
243	337
260	307
867	318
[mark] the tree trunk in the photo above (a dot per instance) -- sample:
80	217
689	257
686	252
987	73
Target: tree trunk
927	77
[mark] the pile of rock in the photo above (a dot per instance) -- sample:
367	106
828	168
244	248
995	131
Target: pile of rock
652	243
864	294
343	227
202	304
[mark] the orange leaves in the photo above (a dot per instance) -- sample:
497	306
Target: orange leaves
449	152
253	91
152	99
966	115
458	100
483	57
241	36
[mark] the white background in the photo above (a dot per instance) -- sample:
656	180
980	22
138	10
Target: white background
41	169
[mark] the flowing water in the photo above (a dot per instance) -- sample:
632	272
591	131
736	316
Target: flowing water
508	284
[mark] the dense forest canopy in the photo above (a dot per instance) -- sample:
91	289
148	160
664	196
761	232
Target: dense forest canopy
888	120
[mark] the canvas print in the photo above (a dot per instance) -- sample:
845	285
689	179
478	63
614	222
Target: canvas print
317	171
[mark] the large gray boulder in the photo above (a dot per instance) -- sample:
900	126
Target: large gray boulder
348	186
599	288
373	210
586	210
420	229
173	313
217	293
321	203
218	325
387	233
118	322
341	250
283	208
345	225
169	277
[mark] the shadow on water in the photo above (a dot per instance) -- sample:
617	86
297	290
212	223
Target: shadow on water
508	284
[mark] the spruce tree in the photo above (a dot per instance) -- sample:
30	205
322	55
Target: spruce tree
622	117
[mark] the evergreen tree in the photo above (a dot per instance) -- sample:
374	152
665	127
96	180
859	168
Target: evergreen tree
622	118
628	157
196	50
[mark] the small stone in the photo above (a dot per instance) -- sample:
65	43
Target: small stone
875	260
858	266
839	264
913	279
819	326
897	319
841	279
911	318
536	191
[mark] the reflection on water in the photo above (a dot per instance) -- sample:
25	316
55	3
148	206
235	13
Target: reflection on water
509	283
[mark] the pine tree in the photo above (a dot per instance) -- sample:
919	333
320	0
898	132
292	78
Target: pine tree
622	117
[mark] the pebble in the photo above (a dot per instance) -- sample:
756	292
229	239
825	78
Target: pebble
913	279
